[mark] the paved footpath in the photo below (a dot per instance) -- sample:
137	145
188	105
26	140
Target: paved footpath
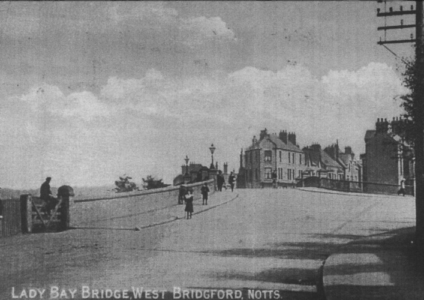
249	239
384	266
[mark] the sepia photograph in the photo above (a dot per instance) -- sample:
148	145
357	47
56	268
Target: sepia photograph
212	150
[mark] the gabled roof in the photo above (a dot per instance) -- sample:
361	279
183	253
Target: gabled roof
277	142
345	159
319	158
328	161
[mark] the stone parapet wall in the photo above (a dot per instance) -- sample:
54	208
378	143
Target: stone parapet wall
84	212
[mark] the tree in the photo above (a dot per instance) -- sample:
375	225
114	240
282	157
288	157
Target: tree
124	184
413	127
153	183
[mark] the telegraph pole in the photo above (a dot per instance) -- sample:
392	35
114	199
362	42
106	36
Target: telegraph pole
418	105
419	139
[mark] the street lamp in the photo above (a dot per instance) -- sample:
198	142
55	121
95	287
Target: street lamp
212	148
186	160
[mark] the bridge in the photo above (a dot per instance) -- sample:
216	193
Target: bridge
268	239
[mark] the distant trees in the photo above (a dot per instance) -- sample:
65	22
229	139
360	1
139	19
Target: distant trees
152	183
125	185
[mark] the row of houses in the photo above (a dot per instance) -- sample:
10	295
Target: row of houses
387	164
281	154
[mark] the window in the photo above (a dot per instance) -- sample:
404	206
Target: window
293	159
268	155
300	159
281	158
289	157
268	172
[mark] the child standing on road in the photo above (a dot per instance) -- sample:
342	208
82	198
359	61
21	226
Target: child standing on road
205	191
189	203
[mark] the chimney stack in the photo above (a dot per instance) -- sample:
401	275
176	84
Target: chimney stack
283	136
263	134
348	150
292	138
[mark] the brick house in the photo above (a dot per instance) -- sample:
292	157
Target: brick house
388	159
269	153
352	168
321	164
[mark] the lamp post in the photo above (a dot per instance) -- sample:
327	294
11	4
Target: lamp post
212	148
186	160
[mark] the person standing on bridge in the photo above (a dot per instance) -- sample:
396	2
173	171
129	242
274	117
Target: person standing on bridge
220	180
47	196
231	180
181	194
205	190
189	203
402	188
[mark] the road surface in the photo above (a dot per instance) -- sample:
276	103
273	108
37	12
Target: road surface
268	239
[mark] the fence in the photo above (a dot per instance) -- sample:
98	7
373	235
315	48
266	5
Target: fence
10	217
355	186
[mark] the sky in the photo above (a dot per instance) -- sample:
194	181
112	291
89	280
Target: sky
94	90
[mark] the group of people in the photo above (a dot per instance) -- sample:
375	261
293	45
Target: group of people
221	181
187	197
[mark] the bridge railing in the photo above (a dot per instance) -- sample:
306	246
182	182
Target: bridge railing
355	186
16	215
93	211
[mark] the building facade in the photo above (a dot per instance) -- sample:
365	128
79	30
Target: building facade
321	164
352	168
273	153
388	159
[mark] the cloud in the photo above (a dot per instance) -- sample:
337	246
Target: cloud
155	22
341	105
147	125
50	99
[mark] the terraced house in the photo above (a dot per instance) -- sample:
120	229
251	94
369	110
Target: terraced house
273	153
321	164
352	168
